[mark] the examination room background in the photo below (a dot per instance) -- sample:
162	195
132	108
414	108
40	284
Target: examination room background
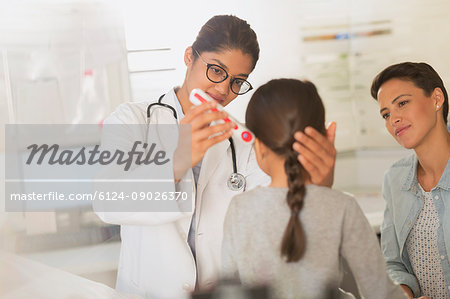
74	61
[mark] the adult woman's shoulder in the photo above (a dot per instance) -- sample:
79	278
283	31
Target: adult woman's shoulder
128	113
397	173
403	163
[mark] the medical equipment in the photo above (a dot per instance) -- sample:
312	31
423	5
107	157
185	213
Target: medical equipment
236	181
159	103
198	97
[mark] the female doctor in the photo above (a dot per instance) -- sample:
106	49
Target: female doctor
169	255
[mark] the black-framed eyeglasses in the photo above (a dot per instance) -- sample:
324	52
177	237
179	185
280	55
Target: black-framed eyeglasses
216	74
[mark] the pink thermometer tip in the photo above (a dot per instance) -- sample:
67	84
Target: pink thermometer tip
246	136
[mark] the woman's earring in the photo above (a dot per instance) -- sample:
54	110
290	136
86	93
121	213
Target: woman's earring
437	106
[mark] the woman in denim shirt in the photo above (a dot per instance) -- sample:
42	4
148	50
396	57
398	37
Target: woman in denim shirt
415	234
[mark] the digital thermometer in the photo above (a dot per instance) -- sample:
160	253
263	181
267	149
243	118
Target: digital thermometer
198	97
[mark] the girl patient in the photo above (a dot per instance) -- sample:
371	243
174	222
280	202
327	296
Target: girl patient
292	235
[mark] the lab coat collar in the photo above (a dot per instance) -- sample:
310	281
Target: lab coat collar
161	115
171	99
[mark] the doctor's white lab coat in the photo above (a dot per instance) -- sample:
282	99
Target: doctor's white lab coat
155	259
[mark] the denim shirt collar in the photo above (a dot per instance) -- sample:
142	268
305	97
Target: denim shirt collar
410	182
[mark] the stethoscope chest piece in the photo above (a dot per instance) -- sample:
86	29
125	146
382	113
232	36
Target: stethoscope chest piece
236	181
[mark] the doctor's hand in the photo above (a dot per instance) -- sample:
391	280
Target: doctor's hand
204	135
317	154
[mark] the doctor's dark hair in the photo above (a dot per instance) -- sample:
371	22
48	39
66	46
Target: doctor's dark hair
226	32
421	74
275	112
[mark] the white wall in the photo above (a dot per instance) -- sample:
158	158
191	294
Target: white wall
293	40
363	170
383	32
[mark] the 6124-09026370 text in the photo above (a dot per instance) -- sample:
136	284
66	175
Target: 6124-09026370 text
100	195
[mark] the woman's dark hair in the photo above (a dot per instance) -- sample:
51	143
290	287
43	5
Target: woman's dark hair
421	74
227	32
275	112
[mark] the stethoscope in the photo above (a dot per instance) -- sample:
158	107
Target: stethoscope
236	181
